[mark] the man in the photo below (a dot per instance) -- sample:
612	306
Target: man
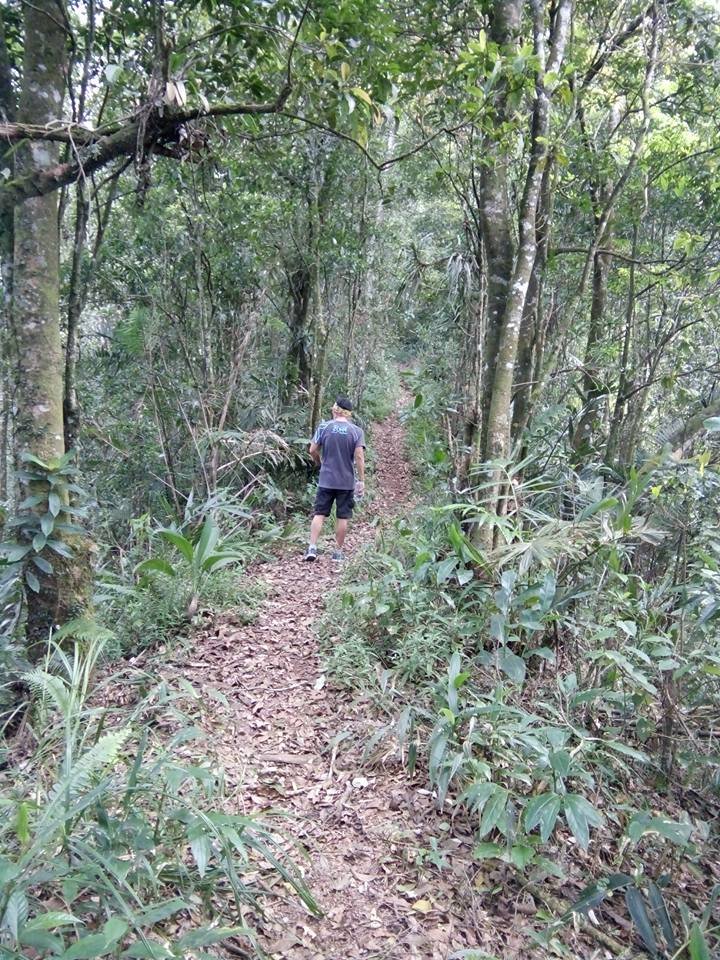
337	448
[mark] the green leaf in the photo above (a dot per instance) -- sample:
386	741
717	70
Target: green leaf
591	897
698	945
22	820
674	830
42	564
437	751
216	561
39	541
362	95
520	855
150	950
12	552
60	548
88	948
32	581
155	564
580	815
149	916
206	936
511	664
51	920
560	761
201	850
16	911
444	569
543	810
114	928
179	541
31	458
54	503
607	504
494	809
712	424
464	575
627	751
660	910
477	795
45	944
206	544
488	851
638	912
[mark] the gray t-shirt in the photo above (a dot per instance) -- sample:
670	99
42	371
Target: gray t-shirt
338	440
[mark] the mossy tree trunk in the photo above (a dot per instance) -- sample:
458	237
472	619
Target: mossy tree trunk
7	113
497	427
36	318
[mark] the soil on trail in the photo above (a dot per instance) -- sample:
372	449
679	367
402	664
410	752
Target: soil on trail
366	830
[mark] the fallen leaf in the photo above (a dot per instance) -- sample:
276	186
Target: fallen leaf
422	906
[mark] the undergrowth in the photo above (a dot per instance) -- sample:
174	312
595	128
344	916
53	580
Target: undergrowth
113	845
562	687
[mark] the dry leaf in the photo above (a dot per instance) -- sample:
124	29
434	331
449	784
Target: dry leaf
422	906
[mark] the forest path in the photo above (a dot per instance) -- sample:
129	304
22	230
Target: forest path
364	828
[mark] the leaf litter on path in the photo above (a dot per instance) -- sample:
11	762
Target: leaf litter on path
278	734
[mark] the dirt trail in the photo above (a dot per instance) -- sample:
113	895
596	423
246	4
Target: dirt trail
363	828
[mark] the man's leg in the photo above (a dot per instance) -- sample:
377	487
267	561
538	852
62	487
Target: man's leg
315	527
323	504
340	531
345	504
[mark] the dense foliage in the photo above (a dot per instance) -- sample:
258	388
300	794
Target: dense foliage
213	216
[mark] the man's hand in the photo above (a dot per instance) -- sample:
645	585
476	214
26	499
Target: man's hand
314	451
360	488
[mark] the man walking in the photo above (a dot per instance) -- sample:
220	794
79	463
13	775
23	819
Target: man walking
337	448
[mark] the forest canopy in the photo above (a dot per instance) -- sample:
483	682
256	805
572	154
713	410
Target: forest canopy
494	227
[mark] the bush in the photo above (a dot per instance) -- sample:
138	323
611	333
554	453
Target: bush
142	617
182	576
534	684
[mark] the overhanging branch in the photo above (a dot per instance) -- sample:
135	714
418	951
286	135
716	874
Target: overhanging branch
102	147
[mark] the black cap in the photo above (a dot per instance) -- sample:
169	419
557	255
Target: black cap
343	402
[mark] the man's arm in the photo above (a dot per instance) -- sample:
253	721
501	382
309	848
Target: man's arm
314	451
360	463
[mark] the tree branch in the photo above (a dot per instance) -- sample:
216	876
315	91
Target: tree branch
101	150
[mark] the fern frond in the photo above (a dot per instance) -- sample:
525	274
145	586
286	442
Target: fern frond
50	687
103	754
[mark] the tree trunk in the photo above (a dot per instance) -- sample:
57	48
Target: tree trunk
71	413
498	433
594	385
297	363
495	213
39	424
7	113
532	323
620	408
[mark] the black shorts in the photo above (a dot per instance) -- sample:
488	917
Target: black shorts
325	497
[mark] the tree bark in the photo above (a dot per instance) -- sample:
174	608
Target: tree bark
36	313
620	408
7	113
495	213
71	413
297	363
594	384
498	432
531	327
